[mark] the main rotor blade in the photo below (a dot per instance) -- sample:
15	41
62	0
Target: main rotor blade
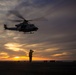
36	19
15	20
16	13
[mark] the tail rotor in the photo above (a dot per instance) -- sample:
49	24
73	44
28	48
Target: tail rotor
5	26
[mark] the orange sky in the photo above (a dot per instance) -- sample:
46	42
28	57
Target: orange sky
22	58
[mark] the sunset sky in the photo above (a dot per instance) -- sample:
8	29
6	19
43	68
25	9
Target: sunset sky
56	37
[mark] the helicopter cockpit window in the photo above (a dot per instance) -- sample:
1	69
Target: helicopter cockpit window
32	25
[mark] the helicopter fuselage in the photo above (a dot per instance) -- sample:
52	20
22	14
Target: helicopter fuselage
22	27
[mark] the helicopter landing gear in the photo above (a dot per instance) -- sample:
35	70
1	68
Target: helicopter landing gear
31	32
28	33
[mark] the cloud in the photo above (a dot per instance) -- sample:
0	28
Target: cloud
13	46
4	55
59	55
6	5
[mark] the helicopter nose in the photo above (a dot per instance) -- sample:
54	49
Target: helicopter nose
35	28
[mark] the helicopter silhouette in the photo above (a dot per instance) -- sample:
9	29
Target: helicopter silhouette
24	26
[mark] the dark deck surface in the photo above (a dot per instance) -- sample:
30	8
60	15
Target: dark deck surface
37	68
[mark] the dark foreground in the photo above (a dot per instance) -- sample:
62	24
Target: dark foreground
37	68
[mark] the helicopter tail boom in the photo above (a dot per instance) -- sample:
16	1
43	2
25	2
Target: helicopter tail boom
11	28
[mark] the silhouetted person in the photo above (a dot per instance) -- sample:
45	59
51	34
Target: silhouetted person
30	55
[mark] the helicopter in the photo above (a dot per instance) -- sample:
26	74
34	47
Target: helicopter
24	26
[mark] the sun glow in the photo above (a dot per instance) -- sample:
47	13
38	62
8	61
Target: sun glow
16	58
